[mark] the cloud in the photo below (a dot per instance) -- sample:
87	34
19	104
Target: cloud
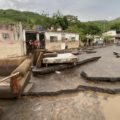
84	9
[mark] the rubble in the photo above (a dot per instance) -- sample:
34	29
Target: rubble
50	69
116	54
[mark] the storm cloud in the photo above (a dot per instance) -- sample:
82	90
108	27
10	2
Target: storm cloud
86	10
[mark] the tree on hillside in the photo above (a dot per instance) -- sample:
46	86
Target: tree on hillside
93	29
60	21
115	26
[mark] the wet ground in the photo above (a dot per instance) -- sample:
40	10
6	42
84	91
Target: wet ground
107	66
78	106
81	106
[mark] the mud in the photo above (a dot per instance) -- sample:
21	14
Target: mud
107	66
1	113
81	106
76	106
111	108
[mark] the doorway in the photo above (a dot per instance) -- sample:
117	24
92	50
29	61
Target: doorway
30	39
42	40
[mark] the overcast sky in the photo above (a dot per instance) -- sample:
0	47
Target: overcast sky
86	10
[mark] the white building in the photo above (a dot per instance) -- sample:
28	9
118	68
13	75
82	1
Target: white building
111	33
51	40
11	43
56	40
14	41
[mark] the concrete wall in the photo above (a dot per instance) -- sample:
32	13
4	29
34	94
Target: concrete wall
10	35
58	45
10	49
48	34
13	45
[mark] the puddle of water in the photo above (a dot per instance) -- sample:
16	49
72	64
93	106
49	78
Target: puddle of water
111	108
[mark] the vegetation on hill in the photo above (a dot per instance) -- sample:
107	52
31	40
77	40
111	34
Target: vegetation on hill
69	23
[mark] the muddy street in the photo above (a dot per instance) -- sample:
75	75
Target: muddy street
107	66
82	106
87	105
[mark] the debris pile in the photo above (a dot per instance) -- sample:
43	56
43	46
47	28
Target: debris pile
56	62
13	84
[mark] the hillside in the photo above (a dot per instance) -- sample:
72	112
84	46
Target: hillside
27	18
69	23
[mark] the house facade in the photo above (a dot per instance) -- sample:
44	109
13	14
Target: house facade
111	33
10	40
14	39
57	40
51	40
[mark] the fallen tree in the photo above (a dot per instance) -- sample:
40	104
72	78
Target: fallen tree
46	70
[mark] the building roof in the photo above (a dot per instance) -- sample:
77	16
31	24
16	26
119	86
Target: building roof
37	31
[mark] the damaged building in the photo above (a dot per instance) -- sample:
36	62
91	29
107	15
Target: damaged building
14	39
11	40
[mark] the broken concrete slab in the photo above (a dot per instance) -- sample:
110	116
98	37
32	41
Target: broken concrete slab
61	58
46	70
90	52
74	90
100	79
76	53
71	79
116	54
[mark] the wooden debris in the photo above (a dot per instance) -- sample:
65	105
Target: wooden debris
8	77
39	60
23	68
35	56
